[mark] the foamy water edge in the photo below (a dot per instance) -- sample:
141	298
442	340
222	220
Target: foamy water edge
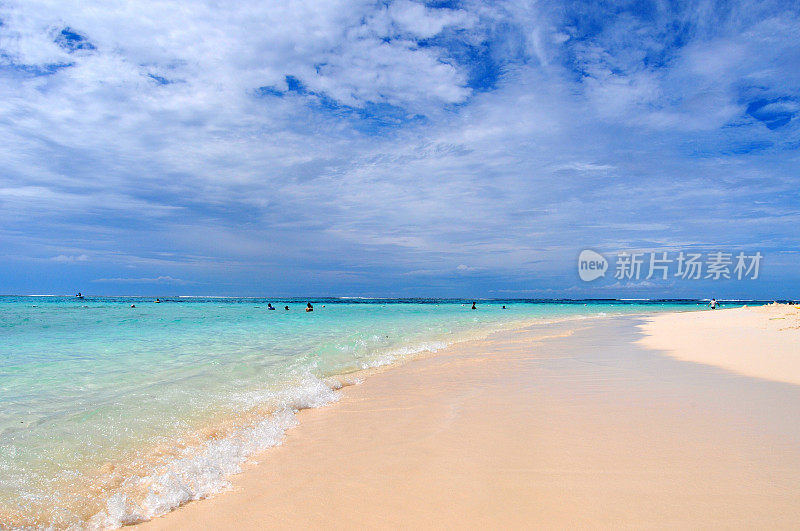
201	472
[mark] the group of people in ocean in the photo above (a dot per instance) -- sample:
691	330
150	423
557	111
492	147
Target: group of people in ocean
309	307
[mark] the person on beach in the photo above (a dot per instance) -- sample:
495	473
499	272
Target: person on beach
309	308
270	306
713	304
473	306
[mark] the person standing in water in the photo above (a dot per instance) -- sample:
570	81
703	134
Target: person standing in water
713	304
285	307
309	308
473	306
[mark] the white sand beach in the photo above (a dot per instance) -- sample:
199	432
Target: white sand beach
624	422
762	341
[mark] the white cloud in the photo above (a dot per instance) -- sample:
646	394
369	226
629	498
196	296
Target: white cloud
156	280
69	259
424	22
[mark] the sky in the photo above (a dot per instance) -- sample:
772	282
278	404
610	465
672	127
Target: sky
395	148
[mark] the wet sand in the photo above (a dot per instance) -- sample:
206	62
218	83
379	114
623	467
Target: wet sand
576	424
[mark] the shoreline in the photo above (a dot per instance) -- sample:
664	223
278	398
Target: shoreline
270	426
502	412
153	479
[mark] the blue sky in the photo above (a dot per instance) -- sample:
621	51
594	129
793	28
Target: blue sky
394	148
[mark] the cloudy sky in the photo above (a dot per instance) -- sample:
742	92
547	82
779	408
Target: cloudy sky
394	148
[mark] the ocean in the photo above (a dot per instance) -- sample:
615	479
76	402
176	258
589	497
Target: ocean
111	414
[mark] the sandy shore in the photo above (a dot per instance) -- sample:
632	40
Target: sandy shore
576	424
762	341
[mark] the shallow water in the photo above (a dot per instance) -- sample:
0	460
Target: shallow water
112	414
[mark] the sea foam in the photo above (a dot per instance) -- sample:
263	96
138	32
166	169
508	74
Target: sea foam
200	472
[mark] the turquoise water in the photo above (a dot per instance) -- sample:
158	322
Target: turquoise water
112	414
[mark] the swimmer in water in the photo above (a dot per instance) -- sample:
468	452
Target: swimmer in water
270	306
285	307
158	301
309	308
